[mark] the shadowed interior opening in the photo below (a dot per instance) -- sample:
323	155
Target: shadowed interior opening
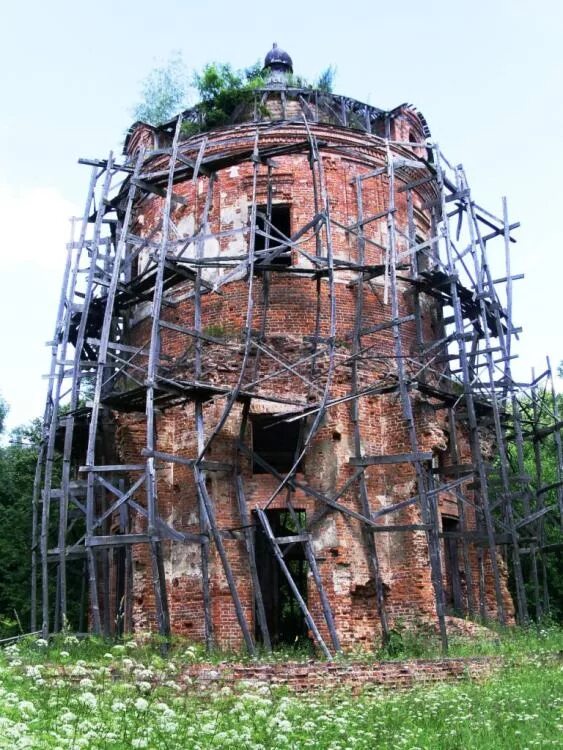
284	617
278	228
275	442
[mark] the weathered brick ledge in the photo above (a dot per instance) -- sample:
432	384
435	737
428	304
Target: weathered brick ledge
301	677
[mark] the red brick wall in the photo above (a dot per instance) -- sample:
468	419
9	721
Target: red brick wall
291	314
301	677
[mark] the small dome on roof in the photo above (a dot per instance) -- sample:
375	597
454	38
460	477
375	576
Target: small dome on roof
278	59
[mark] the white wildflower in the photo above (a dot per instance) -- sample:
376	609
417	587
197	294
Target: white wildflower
141	704
88	699
33	671
26	707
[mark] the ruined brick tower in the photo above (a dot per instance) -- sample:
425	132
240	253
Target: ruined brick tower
285	441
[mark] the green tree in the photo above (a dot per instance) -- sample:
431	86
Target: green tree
223	91
17	470
18	460
550	562
326	80
164	92
3	412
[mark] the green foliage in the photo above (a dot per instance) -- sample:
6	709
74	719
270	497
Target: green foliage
420	639
18	461
27	435
417	641
225	92
413	641
72	695
552	563
3	413
164	92
17	470
326	80
323	83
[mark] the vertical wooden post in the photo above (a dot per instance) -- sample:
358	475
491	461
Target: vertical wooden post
159	582
428	517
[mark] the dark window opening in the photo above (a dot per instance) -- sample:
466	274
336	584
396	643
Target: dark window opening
389	128
453	592
275	442
278	228
284	616
378	127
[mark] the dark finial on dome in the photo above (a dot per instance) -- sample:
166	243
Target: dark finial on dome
278	61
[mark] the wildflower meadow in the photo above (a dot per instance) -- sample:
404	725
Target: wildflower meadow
89	694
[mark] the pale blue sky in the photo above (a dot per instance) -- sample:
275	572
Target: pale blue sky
486	75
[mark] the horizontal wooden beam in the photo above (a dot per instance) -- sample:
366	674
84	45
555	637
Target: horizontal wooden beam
548	487
161	192
402	527
117	540
536	516
398	458
546	431
113	467
295	539
173	459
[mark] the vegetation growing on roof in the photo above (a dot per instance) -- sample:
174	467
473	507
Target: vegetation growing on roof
223	92
326	80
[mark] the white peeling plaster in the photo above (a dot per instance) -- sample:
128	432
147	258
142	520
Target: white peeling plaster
233	216
186	226
341	580
273	407
184	561
325	535
184	558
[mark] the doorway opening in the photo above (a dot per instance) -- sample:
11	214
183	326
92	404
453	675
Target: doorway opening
453	591
286	623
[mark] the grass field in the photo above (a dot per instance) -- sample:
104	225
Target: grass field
66	695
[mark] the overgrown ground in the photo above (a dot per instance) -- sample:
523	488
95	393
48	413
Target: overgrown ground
66	695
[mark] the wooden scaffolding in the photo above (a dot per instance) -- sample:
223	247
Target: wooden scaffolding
87	516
